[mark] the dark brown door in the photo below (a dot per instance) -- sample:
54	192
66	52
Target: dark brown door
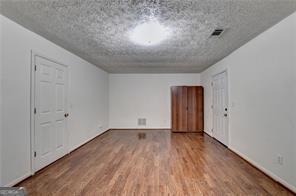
179	109
187	109
195	109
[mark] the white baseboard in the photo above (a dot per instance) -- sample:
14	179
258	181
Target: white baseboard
140	128
266	171
209	133
255	164
258	166
18	180
82	143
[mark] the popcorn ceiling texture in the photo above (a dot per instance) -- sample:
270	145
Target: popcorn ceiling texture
98	30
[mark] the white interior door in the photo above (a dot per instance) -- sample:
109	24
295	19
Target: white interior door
50	134
220	107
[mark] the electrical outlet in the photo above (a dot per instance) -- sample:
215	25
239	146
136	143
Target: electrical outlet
280	160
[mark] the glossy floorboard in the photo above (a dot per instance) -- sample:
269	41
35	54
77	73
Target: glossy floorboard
152	162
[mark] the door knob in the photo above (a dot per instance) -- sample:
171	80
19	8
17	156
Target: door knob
225	115
66	115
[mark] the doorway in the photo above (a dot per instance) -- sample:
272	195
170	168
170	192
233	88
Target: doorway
49	111
220	107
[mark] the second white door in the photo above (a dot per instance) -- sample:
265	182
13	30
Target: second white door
50	133
220	107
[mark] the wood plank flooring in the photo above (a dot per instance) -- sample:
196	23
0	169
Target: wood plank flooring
152	162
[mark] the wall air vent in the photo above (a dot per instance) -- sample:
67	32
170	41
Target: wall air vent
141	121
217	32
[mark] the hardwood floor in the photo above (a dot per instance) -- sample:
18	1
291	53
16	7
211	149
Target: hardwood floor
152	162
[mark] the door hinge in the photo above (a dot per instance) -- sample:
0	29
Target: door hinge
212	106
35	67
35	154
212	84
35	111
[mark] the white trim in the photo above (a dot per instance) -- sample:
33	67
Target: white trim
32	119
1	109
255	164
266	171
141	128
18	180
209	133
82	143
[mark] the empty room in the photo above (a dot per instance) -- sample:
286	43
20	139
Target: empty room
147	97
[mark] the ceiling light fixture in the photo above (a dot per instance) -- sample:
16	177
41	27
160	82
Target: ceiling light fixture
149	33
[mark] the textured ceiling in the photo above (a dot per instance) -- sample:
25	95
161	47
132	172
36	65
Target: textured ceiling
98	30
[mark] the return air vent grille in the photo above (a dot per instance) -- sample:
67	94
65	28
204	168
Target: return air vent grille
141	121
217	32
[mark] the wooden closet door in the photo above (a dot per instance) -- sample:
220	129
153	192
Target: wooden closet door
195	109
179	109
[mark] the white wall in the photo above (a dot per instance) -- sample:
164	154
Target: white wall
88	97
134	96
262	92
293	106
1	49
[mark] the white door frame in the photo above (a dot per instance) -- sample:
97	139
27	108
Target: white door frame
32	104
227	98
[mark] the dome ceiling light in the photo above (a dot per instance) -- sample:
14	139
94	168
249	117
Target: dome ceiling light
149	33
